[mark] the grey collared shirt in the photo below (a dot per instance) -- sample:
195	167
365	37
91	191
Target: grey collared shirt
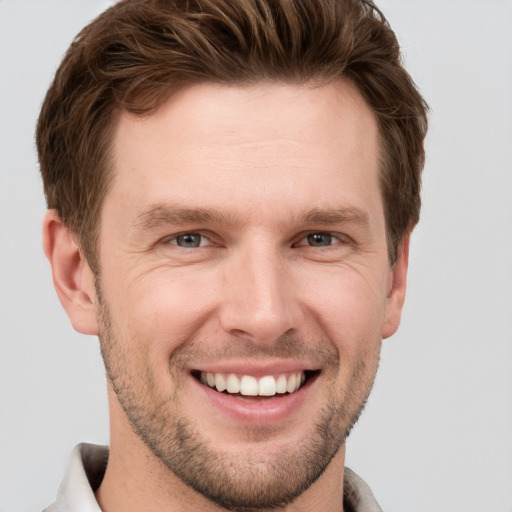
88	462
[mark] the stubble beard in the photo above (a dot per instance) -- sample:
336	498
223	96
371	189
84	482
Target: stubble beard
251	480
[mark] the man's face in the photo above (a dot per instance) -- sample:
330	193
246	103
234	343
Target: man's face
243	244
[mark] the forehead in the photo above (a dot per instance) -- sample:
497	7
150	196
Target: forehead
334	114
255	144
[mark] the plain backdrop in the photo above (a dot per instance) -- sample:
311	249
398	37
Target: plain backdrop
437	433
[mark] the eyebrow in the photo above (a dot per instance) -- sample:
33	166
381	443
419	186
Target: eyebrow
160	214
329	217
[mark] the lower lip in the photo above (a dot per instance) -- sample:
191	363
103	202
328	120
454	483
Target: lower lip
267	410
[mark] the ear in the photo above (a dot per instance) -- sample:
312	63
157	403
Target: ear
72	276
396	291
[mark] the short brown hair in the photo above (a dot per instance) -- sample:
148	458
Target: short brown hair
135	54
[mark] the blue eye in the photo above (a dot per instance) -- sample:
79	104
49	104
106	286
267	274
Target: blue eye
189	240
319	239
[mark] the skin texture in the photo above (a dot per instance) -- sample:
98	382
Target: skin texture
252	171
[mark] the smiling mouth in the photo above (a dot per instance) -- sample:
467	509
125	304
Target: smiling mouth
249	385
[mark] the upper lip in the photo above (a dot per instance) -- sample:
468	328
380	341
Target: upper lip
254	368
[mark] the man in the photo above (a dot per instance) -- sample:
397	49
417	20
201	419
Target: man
231	189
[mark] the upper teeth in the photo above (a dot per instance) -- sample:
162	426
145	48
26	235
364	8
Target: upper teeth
251	386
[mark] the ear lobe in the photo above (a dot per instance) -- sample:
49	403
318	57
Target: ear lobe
396	295
72	276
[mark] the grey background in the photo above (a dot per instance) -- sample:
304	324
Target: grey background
437	433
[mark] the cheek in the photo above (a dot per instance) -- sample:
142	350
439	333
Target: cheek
161	310
350	308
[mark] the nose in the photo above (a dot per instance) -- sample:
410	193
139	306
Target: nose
259	301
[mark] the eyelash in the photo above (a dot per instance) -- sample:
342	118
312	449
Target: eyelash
333	237
174	239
